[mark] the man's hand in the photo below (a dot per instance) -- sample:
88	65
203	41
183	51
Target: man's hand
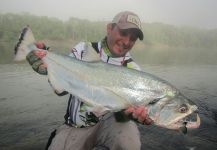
40	53
35	58
41	45
140	113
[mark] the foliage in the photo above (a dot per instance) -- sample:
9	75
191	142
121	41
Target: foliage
156	35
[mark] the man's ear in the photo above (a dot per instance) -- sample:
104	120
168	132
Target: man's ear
109	28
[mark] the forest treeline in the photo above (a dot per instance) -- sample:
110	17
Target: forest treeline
74	29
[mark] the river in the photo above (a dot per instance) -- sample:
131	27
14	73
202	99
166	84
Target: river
29	110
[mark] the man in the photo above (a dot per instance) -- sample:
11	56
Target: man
83	129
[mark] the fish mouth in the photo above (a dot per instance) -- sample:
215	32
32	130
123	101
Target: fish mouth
193	124
186	123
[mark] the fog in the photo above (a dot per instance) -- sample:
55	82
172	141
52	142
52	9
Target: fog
196	13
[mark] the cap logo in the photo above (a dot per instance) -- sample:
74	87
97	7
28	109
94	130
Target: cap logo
134	19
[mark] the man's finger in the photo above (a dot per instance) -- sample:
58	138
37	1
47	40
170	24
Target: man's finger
40	53
148	121
129	110
139	111
40	45
141	119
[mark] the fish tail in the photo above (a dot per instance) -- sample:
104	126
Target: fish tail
25	44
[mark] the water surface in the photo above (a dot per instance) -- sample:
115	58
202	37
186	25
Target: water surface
29	110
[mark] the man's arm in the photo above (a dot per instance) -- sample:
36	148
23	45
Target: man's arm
35	60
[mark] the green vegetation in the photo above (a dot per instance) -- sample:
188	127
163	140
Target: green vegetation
162	43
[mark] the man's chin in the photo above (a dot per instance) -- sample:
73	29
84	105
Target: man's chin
119	53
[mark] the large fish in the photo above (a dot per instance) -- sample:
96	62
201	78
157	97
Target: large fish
110	88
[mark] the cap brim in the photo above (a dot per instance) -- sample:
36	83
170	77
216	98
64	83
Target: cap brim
131	26
140	34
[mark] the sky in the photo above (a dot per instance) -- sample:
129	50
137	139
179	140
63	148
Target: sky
195	13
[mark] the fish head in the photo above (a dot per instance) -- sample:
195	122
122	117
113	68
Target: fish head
174	113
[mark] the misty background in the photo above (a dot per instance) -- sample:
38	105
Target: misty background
198	13
175	31
180	46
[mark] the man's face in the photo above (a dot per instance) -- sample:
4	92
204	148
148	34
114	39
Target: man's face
120	41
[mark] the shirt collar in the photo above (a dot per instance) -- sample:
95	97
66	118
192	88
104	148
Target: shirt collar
105	47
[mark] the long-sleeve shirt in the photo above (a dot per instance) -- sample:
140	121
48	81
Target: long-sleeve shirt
78	113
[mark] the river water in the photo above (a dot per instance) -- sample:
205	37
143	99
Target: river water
29	110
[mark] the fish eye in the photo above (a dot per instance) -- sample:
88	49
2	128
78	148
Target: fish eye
183	108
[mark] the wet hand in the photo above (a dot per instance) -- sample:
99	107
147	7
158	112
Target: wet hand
140	113
41	45
40	53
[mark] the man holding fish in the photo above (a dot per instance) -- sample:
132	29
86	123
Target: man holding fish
83	128
104	96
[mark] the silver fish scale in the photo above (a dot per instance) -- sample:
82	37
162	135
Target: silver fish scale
133	87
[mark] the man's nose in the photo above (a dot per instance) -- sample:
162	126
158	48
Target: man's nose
126	40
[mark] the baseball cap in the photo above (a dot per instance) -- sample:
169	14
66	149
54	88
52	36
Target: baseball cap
128	20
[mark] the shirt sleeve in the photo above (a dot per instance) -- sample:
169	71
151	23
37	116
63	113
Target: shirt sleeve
80	50
85	52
